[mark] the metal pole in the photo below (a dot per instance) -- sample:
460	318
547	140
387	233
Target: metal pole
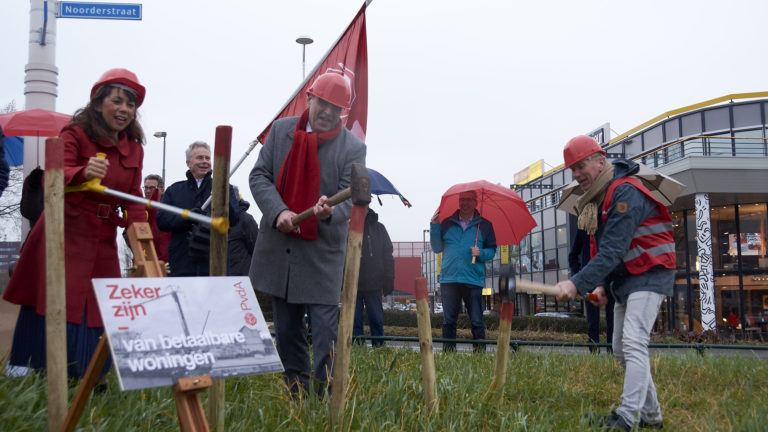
164	183
304	40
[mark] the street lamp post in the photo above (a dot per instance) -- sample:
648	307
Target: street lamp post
304	40
162	135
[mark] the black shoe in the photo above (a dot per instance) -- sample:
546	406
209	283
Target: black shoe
617	423
652	425
612	422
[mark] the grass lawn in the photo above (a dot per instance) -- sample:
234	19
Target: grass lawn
544	391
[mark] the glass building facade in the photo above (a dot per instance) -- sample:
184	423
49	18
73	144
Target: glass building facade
720	153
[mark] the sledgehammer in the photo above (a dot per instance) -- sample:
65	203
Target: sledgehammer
360	192
360	183
509	285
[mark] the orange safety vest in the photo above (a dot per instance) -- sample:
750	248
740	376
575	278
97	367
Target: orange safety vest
653	242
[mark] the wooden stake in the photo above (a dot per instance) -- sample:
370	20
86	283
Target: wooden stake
55	297
188	404
218	258
425	346
347	314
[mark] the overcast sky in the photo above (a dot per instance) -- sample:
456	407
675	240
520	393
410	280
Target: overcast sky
458	90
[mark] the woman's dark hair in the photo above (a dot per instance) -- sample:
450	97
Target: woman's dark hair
93	122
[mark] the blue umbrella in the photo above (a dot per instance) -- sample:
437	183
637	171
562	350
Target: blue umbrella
380	185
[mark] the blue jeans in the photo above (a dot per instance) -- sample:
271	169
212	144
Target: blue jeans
370	302
472	296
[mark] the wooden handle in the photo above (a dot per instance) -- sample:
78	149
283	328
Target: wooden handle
332	201
536	288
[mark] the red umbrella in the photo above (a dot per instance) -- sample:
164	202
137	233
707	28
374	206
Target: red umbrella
33	122
503	207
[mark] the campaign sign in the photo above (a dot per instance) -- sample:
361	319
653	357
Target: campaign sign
163	329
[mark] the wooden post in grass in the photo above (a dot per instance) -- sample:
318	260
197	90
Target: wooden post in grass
502	348
425	345
360	189
55	297
218	254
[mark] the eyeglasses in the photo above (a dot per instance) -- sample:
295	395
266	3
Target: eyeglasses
149	188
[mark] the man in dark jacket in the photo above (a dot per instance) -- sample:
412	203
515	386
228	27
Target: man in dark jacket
578	257
191	194
4	168
242	238
376	279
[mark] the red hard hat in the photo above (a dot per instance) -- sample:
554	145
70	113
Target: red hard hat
580	147
124	77
333	88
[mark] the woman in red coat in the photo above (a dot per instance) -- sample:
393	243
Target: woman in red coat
106	125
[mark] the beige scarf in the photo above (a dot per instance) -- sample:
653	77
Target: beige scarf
592	198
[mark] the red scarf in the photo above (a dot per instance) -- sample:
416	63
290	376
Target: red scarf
298	181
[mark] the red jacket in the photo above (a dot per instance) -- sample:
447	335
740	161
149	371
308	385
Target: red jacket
90	228
653	242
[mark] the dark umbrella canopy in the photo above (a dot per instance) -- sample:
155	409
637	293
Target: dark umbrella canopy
502	206
380	185
33	122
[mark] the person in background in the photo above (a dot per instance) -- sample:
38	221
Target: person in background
463	235
578	257
242	239
635	259
154	186
5	169
376	277
108	124
190	242
305	160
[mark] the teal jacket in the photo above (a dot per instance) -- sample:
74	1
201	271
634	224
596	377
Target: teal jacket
455	244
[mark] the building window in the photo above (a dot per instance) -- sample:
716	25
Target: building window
746	116
550	259
652	138
633	146
671	130
691	124
717	120
749	143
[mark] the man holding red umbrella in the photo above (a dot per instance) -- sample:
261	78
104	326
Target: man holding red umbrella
467	241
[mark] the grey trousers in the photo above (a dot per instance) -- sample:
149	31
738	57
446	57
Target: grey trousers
293	347
633	323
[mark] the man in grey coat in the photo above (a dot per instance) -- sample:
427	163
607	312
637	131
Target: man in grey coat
305	160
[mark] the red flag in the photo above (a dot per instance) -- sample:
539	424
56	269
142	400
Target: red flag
348	57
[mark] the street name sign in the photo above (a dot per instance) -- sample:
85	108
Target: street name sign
118	11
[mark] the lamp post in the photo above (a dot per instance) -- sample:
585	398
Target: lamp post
304	40
162	135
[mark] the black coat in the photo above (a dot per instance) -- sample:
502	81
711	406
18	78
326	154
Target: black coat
242	238
377	264
186	195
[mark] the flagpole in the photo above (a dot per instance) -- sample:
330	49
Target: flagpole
295	93
319	63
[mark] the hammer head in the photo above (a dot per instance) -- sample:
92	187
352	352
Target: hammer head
360	185
507	283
